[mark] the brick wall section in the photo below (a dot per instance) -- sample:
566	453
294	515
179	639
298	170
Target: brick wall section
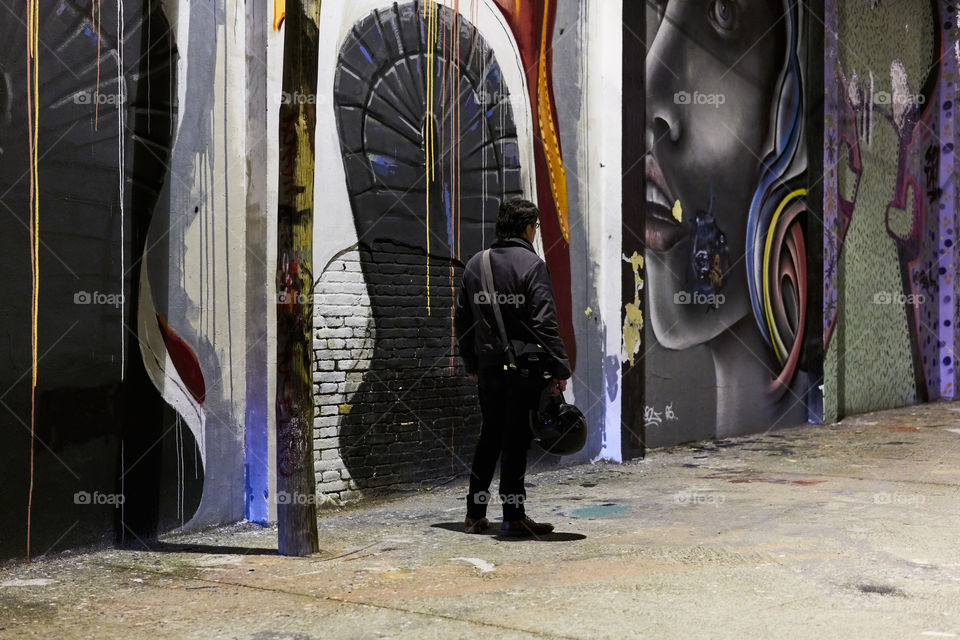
343	345
394	409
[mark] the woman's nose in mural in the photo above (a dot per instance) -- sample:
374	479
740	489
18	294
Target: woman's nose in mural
663	131
663	90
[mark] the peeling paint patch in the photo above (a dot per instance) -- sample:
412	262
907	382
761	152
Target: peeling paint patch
397	575
483	565
632	314
33	582
599	511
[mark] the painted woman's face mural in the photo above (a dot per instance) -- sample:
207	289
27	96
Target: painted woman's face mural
725	247
712	72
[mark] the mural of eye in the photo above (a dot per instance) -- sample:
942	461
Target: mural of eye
723	14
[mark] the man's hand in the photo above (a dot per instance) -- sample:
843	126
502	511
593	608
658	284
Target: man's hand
472	376
558	387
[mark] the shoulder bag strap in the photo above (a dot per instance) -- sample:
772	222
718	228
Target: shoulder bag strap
487	281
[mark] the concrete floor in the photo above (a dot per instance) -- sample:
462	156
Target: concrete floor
843	531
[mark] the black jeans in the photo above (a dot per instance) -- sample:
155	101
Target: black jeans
505	402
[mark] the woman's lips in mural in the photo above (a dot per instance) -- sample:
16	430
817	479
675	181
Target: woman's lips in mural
663	230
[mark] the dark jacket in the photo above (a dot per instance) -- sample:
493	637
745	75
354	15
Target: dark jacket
523	285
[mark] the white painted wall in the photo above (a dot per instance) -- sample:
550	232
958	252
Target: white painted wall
603	144
274	82
196	246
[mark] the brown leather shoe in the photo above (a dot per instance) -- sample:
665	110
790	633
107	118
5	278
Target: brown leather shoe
523	528
475	525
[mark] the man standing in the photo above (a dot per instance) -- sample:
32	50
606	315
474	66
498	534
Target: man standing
525	297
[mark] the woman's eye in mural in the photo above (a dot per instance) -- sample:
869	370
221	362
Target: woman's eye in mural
724	15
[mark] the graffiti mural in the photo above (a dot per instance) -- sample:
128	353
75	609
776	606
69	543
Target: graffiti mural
442	111
725	261
889	212
429	145
83	153
112	388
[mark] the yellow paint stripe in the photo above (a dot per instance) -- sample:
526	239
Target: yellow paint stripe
430	13
778	347
556	172
33	110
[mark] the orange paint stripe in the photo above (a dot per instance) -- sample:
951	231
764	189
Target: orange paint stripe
279	13
556	172
430	14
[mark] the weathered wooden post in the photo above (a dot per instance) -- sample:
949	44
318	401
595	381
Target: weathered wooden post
296	484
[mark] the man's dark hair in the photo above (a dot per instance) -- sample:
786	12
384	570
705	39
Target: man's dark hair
514	218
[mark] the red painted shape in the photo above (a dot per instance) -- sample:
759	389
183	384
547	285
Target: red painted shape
525	20
185	360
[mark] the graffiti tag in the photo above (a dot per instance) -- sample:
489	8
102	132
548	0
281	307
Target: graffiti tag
654	418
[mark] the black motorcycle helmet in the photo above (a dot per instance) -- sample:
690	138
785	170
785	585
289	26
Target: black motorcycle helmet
559	428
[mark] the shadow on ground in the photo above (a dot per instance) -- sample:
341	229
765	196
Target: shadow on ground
494	532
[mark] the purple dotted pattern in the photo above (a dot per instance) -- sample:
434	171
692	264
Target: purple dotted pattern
947	250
